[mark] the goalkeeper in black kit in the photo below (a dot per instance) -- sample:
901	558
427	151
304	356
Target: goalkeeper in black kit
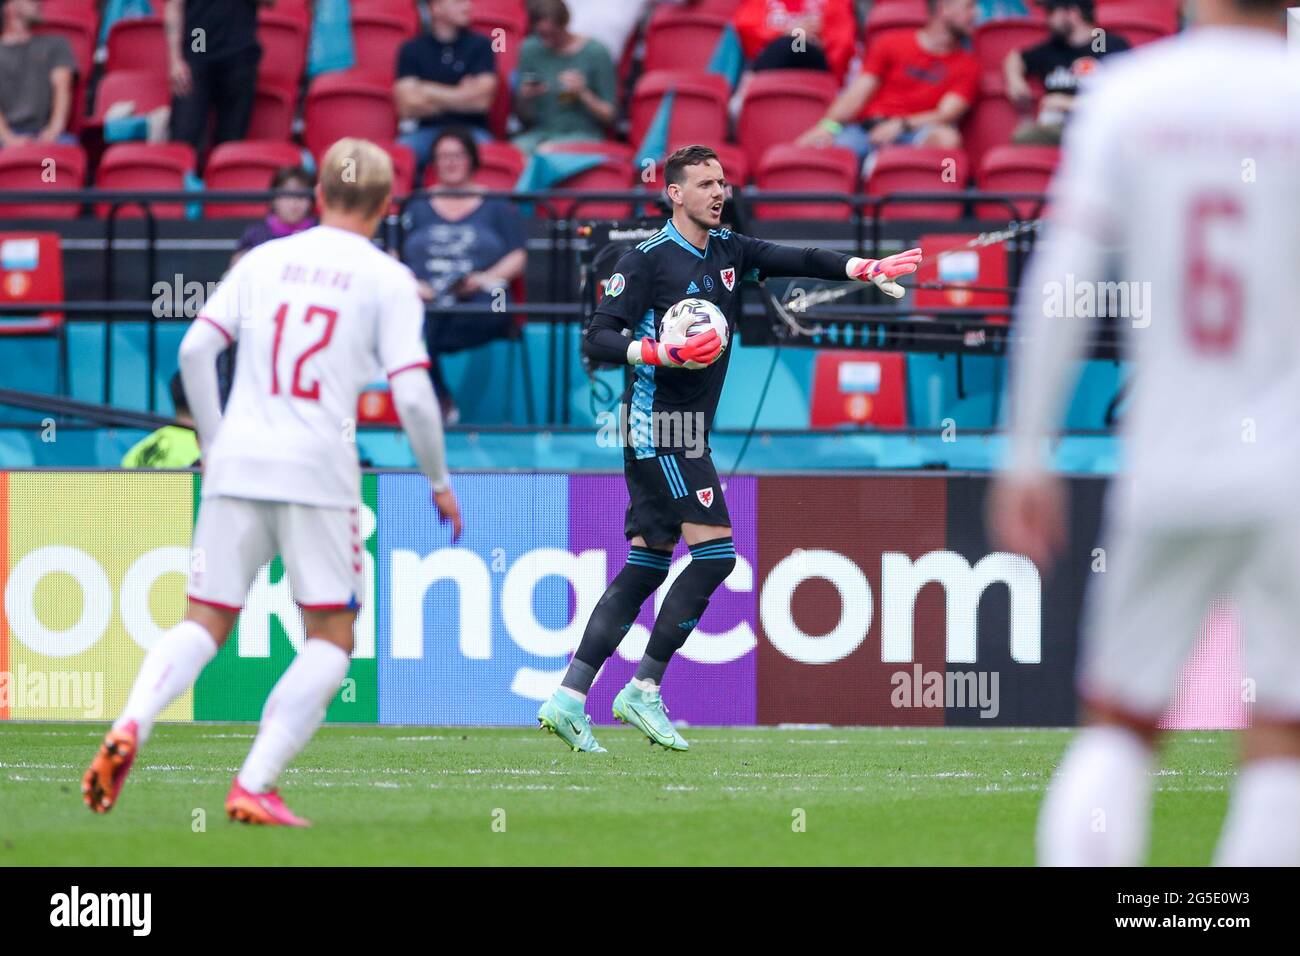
674	393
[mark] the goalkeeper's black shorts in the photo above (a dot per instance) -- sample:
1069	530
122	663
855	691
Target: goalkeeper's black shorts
670	490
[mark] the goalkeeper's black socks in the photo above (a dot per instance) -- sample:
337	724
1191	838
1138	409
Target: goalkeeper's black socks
711	562
614	613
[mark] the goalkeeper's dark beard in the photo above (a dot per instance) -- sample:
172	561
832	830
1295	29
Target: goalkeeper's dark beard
702	223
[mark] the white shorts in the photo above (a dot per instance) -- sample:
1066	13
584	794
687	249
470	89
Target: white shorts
235	537
1145	611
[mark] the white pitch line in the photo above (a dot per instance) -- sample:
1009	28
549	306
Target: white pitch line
892	791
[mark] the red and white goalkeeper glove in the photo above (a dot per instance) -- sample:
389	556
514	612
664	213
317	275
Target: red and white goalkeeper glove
883	272
697	351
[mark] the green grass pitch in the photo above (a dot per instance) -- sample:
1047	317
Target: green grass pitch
452	796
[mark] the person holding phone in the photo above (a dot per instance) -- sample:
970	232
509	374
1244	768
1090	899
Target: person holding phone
566	84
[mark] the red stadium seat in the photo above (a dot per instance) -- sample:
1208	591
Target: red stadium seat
40	167
404	10
505	23
996	38
347	104
376	38
724	7
403	158
699	106
887	18
1164	12
494	11
789	168
284	47
502	101
897	169
681	39
146	89
145	166
273	108
245	166
299	10
510	18
82	10
990	121
77	112
499	168
779	106
31	270
854	388
615	174
1015	169
1136	22
137	43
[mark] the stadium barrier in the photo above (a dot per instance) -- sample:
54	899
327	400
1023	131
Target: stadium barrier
553	301
856	600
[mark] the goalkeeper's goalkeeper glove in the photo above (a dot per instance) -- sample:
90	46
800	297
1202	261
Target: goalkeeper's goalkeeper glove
884	272
696	352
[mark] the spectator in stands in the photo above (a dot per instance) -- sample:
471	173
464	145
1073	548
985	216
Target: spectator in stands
213	54
462	249
289	214
797	34
1071	52
446	77
35	78
913	89
172	446
566	82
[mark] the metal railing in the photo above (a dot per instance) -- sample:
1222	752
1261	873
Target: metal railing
560	309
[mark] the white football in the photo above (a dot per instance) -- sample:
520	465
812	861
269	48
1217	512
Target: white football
691	317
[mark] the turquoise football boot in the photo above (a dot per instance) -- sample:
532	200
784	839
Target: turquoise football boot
645	711
564	716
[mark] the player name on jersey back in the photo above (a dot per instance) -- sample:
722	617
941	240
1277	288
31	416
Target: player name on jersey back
317	316
296	272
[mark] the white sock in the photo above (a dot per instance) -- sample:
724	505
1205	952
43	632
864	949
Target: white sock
294	710
1263	823
579	695
170	668
645	685
1097	811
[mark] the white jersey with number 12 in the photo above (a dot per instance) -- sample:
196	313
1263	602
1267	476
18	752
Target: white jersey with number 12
317	316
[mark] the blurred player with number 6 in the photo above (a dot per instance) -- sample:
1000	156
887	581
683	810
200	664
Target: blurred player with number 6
1181	174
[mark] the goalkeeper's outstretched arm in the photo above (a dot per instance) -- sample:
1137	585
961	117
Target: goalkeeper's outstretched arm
772	259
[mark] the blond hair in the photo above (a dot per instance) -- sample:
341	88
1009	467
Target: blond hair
356	176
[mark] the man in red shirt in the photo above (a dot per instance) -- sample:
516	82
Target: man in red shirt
797	34
913	89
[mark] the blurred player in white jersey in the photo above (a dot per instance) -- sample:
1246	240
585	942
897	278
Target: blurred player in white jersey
318	315
1181	176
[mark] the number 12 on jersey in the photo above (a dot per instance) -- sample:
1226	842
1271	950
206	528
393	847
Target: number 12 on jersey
297	388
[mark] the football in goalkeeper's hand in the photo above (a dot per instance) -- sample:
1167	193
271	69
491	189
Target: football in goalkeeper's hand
693	317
